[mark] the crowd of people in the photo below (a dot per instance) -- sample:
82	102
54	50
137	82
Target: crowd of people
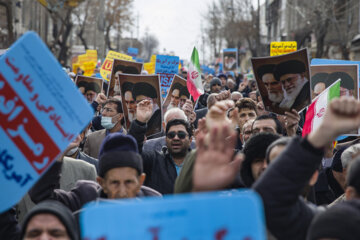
227	140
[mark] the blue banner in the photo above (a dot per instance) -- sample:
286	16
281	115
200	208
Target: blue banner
41	112
217	215
132	51
167	67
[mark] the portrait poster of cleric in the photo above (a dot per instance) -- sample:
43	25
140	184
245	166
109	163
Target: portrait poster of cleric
230	60
322	76
90	87
178	94
284	81
134	89
121	66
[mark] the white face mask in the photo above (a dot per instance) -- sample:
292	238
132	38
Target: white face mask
71	151
107	123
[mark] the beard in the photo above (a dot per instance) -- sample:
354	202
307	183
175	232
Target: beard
131	116
276	97
179	153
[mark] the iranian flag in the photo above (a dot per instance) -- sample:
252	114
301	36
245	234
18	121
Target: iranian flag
316	111
194	83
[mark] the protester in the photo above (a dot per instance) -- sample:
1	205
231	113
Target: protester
50	220
163	167
111	117
157	144
246	110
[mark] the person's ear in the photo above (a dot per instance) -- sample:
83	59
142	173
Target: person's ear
101	181
350	193
163	125
314	178
142	178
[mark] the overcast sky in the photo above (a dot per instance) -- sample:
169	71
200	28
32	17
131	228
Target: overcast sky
176	23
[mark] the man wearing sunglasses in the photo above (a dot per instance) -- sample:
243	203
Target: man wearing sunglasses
162	168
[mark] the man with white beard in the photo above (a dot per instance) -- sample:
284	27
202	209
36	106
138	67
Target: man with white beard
130	102
296	86
273	87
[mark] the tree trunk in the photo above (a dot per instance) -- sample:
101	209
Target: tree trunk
107	38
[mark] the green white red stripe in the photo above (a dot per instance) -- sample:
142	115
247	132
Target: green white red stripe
316	111
194	83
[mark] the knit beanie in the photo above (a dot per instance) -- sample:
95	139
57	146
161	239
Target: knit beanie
58	210
341	221
214	81
255	148
119	150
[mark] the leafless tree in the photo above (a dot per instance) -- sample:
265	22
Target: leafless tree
150	44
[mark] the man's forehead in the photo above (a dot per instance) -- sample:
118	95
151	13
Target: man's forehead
246	110
177	127
264	122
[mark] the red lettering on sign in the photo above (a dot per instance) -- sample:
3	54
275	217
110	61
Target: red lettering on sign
321	112
220	234
25	131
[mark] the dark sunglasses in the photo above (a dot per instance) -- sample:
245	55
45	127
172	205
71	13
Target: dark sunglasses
180	134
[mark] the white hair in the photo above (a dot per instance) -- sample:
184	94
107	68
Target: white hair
174	111
350	154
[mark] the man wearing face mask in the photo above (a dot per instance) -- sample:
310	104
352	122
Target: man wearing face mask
111	120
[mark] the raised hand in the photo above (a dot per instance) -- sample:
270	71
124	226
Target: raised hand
101	98
291	122
217	114
144	111
341	116
215	166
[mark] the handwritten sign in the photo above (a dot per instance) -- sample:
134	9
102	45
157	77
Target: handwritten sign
167	67
106	67
218	215
280	48
41	111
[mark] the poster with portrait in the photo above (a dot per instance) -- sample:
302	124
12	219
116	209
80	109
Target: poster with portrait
178	94
135	88
90	87
230	59
322	76
283	81
121	66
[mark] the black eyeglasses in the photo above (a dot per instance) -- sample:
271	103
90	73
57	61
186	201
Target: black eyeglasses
180	134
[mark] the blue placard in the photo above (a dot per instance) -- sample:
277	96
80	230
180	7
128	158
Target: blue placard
230	50
41	112
218	215
167	67
132	51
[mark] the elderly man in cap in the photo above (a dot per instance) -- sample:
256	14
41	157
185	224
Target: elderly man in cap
319	82
91	91
292	76
347	84
130	102
120	176
175	95
274	89
184	95
142	91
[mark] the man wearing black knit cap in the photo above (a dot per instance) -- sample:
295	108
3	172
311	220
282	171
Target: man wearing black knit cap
50	220
120	176
292	75
255	163
215	85
142	91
